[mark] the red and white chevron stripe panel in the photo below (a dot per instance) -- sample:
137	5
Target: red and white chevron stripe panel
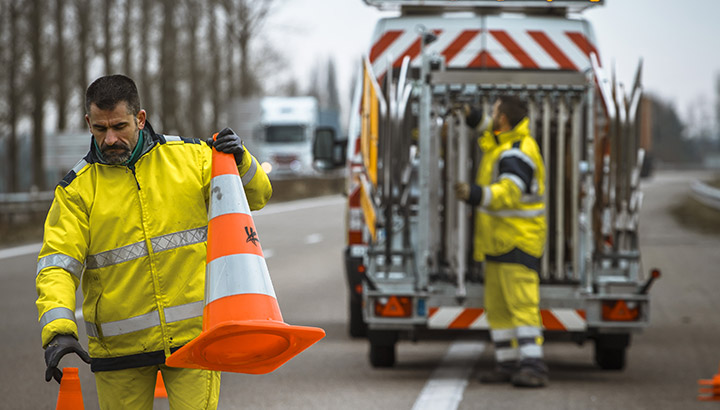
570	320
528	43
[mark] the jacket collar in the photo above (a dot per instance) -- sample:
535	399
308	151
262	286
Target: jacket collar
149	140
490	140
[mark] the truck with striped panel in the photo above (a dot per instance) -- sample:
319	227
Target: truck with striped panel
409	243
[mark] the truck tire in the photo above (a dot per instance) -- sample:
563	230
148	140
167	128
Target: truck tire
610	351
382	355
382	347
357	326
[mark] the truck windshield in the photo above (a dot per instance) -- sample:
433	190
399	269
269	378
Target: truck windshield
285	133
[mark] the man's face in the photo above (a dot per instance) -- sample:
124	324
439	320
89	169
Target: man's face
116	131
496	120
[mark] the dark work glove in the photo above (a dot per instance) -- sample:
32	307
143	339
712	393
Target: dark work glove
228	142
56	349
473	116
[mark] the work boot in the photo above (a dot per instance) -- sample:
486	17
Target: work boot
530	376
502	373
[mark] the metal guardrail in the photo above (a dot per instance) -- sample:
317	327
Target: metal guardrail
706	194
25	202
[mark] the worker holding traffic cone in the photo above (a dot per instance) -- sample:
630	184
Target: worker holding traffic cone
70	394
129	223
243	330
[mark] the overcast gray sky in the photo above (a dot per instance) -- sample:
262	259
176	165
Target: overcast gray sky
676	38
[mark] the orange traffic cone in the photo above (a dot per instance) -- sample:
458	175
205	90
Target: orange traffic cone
243	330
70	394
711	393
160	391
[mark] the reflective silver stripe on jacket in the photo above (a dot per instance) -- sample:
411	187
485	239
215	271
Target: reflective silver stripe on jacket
250	172
139	249
66	262
517	152
146	321
56	313
80	165
228	196
179	239
115	256
230	275
514	179
172	138
515	213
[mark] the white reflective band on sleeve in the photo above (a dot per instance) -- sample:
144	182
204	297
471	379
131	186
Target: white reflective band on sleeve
56	313
228	196
183	312
235	275
250	173
173	138
487	196
515	213
502	335
533	351
115	256
506	354
179	239
66	262
528	331
515	179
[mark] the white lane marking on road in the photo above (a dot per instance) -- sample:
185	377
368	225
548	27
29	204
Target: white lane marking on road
313	238
444	390
20	250
268	253
301	204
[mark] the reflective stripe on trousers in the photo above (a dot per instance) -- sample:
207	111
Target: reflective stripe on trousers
146	321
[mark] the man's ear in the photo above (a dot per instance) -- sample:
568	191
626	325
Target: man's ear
141	117
87	120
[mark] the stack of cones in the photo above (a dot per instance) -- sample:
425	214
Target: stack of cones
160	392
70	394
243	330
712	391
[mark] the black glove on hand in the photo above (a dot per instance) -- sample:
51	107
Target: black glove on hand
56	349
227	141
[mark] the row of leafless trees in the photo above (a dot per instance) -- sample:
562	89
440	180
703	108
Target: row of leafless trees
188	57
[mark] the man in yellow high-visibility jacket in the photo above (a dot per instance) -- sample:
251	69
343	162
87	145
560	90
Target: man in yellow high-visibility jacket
129	222
510	232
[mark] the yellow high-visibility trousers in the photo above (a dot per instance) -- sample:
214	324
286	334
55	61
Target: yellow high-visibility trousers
190	389
512	302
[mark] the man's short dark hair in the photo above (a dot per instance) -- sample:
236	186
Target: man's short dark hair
106	92
514	108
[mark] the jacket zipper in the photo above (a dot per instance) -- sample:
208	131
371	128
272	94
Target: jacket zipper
132	168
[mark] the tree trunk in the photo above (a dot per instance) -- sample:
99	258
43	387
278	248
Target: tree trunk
128	29
168	81
38	92
196	80
13	94
83	13
145	85
215	77
107	46
62	82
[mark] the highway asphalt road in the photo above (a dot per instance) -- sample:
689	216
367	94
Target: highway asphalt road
303	241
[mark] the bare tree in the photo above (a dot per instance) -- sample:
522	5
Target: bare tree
14	92
61	82
128	29
37	86
168	80
216	101
83	38
333	96
145	45
193	15
107	47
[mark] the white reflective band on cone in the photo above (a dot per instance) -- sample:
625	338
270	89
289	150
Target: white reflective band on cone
56	313
228	196
235	275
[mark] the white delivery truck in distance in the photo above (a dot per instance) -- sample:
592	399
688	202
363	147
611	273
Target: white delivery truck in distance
284	136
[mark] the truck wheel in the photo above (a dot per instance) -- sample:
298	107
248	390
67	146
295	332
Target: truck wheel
357	326
382	355
610	350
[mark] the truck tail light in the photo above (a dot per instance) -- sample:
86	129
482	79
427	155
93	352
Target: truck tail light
393	306
620	311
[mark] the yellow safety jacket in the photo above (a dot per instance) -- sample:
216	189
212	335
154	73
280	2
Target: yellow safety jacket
510	220
135	236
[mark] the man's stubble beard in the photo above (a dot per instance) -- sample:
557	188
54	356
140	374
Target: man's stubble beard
118	153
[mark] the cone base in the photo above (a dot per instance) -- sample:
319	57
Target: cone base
249	346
